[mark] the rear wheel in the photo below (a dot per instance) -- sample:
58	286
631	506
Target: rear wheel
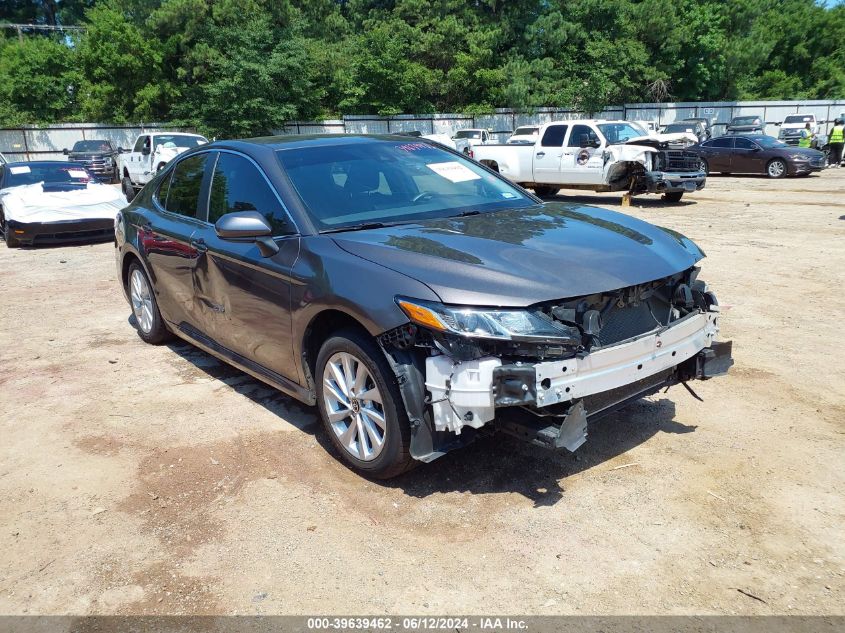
128	189
545	190
148	319
361	407
776	168
673	196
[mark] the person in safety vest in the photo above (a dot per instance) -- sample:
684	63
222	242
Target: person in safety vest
836	141
806	137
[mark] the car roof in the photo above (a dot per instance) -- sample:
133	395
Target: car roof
171	134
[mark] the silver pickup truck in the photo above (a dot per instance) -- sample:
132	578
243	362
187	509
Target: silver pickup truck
599	156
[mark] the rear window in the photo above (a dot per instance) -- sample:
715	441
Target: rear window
798	118
392	182
526	131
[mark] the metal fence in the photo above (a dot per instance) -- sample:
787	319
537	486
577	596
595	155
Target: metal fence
503	120
47	143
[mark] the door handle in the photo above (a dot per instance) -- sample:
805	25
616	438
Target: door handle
199	245
541	154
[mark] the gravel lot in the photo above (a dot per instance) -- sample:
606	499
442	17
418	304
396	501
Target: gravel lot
140	479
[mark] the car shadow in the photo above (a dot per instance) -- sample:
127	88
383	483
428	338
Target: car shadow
501	463
492	464
636	201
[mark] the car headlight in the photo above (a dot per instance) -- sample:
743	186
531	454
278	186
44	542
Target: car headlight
800	157
489	323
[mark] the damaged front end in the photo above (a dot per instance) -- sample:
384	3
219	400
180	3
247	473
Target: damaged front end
543	372
655	165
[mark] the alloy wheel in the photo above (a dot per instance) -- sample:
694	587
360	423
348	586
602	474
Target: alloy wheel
776	168
354	406
142	301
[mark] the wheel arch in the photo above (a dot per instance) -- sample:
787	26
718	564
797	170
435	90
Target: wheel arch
319	329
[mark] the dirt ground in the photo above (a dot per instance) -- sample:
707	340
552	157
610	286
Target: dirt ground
139	479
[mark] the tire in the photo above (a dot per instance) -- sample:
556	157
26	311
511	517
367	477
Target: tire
702	166
776	168
11	241
545	190
673	196
128	189
148	319
355	434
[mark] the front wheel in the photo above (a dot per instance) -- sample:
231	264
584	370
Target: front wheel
776	168
128	189
702	166
673	196
6	232
361	407
148	319
545	190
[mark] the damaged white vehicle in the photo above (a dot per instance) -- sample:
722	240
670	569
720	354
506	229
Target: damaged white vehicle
51	202
599	156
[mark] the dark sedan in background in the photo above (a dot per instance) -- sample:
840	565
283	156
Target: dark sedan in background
753	125
98	156
757	154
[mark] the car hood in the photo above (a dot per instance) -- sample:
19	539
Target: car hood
47	203
801	151
661	141
520	257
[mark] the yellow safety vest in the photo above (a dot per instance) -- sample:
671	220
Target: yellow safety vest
807	140
837	134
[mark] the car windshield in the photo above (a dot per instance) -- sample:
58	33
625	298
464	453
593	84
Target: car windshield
798	118
392	182
768	141
179	140
619	132
91	146
48	173
746	120
526	131
674	128
468	134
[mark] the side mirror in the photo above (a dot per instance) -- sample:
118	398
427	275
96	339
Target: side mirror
248	226
66	151
120	150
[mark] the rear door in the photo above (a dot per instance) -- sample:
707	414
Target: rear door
717	152
242	298
582	165
165	237
747	157
547	154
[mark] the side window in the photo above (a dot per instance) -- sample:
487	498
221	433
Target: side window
139	144
743	143
183	195
163	189
722	141
554	135
237	185
582	130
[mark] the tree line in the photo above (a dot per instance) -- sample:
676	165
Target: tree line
235	68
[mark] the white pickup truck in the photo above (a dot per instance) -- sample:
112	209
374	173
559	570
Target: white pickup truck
151	152
599	156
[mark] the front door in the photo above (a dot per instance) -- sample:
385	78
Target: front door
242	298
746	157
166	238
718	153
547	155
137	158
582	165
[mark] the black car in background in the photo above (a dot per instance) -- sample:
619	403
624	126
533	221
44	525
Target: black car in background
690	127
757	154
98	156
746	125
417	298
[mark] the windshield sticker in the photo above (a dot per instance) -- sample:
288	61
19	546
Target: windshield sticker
508	194
454	171
20	170
413	147
77	173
